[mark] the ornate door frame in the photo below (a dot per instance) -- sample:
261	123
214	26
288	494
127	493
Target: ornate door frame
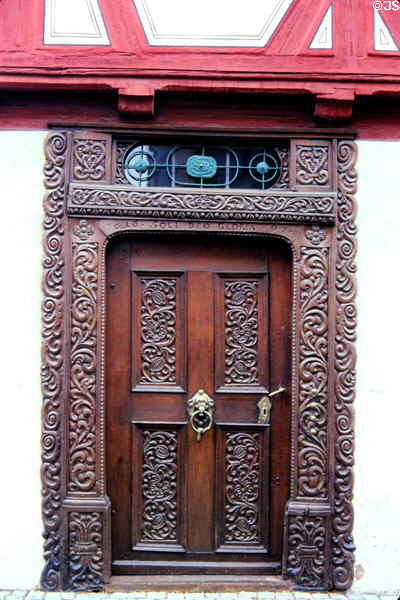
83	210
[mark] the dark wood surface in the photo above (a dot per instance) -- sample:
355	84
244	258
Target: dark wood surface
180	505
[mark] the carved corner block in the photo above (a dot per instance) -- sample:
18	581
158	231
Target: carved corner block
311	165
91	157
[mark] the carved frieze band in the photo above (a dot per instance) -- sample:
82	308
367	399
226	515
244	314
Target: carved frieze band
82	410
345	362
306	562
242	488
125	202
159	486
52	355
85	546
89	162
313	373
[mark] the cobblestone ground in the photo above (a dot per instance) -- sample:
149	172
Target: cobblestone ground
38	595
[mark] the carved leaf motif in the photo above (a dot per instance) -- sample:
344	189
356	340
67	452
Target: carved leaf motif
159	516
313	373
241	332
158	320
312	165
242	488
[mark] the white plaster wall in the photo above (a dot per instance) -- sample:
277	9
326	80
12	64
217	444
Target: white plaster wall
377	471
377	488
21	194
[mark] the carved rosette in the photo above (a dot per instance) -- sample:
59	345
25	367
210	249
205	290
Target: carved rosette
313	373
159	486
52	357
85	545
82	412
241	332
89	160
306	563
242	488
312	165
345	362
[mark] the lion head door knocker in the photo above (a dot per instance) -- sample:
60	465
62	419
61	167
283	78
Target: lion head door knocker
200	410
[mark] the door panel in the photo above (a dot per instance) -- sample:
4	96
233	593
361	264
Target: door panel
185	314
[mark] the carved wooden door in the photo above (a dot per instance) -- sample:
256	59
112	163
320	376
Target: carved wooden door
190	313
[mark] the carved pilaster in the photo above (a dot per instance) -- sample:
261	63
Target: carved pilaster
345	361
82	410
52	354
313	373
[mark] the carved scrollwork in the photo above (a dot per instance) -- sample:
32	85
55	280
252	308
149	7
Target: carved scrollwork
193	205
313	373
158	321
306	552
242	507
89	160
345	361
241	332
159	487
82	416
312	165
85	569
52	356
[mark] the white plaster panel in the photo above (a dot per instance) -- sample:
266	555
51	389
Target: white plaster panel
21	174
74	22
210	23
323	37
377	481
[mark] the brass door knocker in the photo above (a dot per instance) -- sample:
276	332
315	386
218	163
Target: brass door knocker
200	410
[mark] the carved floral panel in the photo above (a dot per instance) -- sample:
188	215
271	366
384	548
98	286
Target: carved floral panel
158	319
242	493
156	517
241	338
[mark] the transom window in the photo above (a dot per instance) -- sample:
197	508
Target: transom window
205	166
